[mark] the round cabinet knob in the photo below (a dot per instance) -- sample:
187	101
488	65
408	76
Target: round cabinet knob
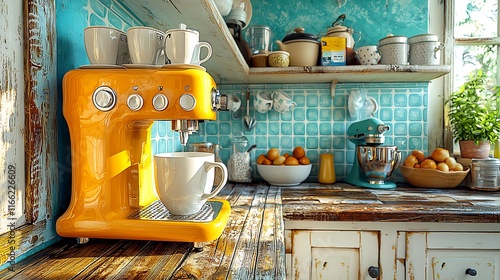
104	98
471	272
187	102
373	271
135	102
160	102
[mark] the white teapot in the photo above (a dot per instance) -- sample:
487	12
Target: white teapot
338	30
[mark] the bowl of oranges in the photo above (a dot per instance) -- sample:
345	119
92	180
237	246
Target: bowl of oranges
284	169
438	170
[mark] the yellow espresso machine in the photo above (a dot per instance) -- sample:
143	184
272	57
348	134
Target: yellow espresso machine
110	113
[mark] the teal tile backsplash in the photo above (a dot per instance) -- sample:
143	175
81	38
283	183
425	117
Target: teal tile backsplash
318	122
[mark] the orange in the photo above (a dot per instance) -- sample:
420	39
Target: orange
419	155
443	167
299	152
260	159
451	162
304	161
291	161
429	164
458	167
279	160
272	154
440	154
410	161
266	161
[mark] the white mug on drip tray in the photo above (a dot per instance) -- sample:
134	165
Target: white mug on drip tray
184	180
146	45
182	46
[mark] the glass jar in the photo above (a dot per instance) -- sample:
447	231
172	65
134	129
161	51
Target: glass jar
239	162
485	174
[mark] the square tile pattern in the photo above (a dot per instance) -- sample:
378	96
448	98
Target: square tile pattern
318	123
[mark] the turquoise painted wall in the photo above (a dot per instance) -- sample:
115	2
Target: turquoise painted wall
374	19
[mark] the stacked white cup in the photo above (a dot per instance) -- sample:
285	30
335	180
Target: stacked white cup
183	46
105	46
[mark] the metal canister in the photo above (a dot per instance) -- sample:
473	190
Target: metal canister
425	49
485	174
394	50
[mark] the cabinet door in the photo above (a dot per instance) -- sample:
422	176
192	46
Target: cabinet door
334	255
439	255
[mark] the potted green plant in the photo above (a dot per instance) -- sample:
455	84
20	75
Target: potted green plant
474	115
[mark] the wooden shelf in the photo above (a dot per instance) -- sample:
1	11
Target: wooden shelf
347	74
228	66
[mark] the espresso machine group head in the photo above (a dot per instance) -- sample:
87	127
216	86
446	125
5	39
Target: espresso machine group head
110	113
373	162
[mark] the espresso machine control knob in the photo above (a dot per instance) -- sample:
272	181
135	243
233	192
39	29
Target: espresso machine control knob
104	98
135	102
187	102
160	102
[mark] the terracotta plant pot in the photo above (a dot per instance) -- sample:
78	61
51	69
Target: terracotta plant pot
469	149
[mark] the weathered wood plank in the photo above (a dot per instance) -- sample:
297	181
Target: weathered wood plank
271	250
140	261
64	262
111	262
40	134
215	259
244	258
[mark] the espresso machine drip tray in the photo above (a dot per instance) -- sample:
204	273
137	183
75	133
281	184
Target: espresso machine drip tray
158	212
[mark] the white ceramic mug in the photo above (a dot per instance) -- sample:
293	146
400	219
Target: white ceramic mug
182	46
184	180
283	102
263	101
145	45
368	55
123	56
101	44
233	102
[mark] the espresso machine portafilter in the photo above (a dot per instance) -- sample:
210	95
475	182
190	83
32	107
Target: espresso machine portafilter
373	162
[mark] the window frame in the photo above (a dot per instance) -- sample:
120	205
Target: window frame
450	42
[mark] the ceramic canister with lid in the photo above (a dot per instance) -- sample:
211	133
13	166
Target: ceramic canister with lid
394	50
425	49
302	47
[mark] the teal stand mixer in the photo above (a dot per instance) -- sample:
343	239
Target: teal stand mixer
373	162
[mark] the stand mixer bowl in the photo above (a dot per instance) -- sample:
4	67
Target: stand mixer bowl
377	162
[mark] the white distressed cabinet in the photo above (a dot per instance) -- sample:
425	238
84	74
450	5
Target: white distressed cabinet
392	250
452	255
341	255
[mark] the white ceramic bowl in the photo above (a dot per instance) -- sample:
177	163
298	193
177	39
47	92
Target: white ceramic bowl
286	175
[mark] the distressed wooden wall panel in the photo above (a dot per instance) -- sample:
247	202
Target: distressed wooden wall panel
38	33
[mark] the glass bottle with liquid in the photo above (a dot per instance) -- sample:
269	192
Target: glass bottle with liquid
326	174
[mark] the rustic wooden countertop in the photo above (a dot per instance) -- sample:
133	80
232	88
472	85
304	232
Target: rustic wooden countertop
343	202
252	244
